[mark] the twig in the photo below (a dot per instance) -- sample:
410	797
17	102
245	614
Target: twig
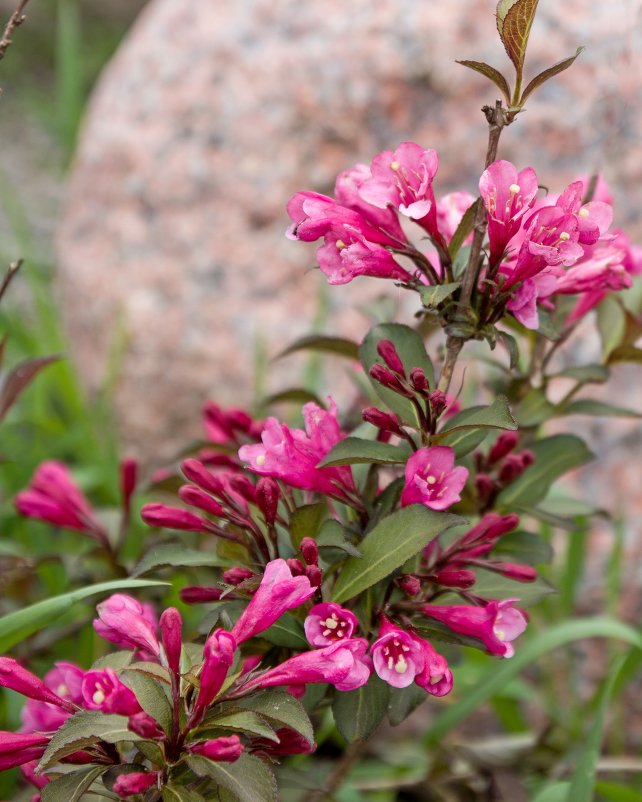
334	781
11	272
16	19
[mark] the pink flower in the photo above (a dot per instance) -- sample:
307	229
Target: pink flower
126	622
19	748
135	782
278	592
328	623
403	179
293	454
54	497
346	191
175	517
290	743
397	657
436	678
170	627
346	253
17	678
145	726
102	690
450	210
223	426
226	749
344	665
496	624
65	679
507	196
593	218
218	656
432	479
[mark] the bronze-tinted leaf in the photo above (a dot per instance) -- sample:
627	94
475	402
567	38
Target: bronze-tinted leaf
538	80
14	382
494	75
514	22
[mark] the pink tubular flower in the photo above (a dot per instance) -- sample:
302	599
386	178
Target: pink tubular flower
226	749
450	210
507	196
346	253
397	657
293	454
432	479
145	726
17	678
344	664
290	743
436	678
196	594
403	179
126	622
593	218
218	656
102	690
19	748
496	624
136	782
346	191
278	592
328	623
170	627
173	518
65	679
54	497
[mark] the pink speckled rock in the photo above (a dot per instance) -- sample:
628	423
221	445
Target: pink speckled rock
211	116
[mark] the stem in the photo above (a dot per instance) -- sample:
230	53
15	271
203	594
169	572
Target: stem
11	272
16	19
336	778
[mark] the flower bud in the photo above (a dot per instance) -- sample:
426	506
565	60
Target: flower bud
195	471
128	480
199	595
504	444
310	551
227	748
516	571
511	469
136	782
145	726
438	402
382	420
419	381
411	585
485	487
198	498
18	679
388	353
236	575
267	498
296	566
313	573
528	458
218	656
389	380
242	485
170	627
173	518
17	748
462	579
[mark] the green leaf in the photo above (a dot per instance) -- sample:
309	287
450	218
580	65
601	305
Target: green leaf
175	555
511	346
287	631
462	441
151	696
611	322
494	75
554	456
385	548
178	793
586	374
239	721
306	521
18	625
496	416
490	585
583	780
514	22
412	352
523	547
613	792
528	651
404	701
547	328
460	262
590	406
543	76
84	729
248	778
357	714
555	792
333	536
325	343
294	395
534	408
625	353
13	382
357	451
71	787
432	296
283	709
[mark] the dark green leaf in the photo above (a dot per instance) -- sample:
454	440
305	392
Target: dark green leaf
248	778
463	441
590	406
511	346
514	22
554	456
490	585
432	296
84	729
71	787
238	721
151	696
355	451
333	536
281	708
178	793
16	626
357	714
523	547
534	408
306	521
611	322
496	416
412	352
597	374
403	701
385	548
325	343
175	555
494	75
543	76
287	631
465	224
546	326
294	395
460	262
